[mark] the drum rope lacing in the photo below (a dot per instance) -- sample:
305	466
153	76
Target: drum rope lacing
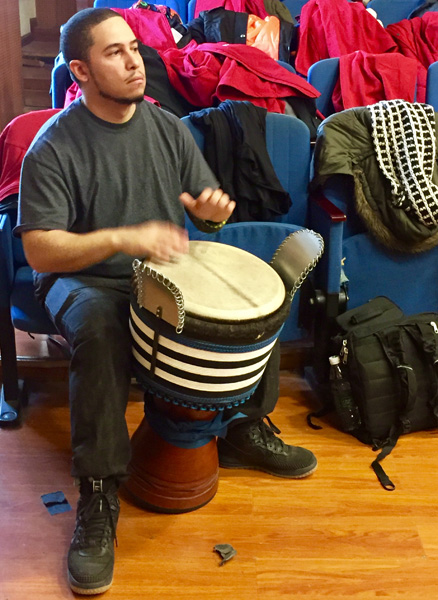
140	269
303	275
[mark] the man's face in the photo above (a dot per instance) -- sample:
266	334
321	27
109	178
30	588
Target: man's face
116	69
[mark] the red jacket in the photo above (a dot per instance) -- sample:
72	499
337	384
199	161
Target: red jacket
368	78
150	27
330	29
209	73
15	139
418	38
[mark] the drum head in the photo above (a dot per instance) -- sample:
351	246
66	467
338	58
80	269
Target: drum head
223	282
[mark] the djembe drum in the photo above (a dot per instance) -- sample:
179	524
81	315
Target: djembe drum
203	330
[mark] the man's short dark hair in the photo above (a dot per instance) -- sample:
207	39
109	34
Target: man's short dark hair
76	37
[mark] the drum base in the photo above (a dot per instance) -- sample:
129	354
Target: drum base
168	479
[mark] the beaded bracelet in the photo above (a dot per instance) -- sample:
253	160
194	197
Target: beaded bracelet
214	224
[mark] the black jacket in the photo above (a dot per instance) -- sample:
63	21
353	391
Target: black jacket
221	25
235	149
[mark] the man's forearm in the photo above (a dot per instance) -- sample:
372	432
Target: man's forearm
59	251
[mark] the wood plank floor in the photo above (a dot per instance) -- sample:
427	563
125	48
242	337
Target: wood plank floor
334	535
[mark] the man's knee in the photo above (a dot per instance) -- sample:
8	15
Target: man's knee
90	314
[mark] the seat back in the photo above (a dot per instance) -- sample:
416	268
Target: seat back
392	11
288	146
113	3
191	5
407	279
179	6
323	75
287	66
294	6
432	86
60	82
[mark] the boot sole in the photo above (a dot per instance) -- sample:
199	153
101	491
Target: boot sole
76	587
256	468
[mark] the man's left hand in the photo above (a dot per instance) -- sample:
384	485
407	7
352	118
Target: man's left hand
210	205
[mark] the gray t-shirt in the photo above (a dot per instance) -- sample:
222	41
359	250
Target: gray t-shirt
82	174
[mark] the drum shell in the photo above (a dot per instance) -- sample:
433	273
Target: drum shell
213	358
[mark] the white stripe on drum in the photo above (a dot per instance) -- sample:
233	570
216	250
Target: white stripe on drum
197	385
196	352
189	367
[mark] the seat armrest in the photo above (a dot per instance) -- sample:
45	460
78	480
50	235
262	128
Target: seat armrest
328	220
6	261
324	206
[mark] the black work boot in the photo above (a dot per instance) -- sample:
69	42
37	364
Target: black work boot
91	554
254	445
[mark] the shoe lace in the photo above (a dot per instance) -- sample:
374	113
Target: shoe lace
268	433
93	520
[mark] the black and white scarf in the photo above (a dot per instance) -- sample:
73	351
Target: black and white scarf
404	142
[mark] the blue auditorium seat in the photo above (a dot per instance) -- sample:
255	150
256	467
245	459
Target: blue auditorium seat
323	75
179	6
392	11
432	86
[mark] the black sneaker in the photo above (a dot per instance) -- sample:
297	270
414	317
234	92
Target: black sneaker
254	445
91	554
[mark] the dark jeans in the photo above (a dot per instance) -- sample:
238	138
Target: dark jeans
93	315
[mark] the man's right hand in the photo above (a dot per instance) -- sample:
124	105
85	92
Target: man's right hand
156	240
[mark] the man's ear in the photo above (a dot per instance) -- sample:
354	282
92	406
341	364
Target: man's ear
80	70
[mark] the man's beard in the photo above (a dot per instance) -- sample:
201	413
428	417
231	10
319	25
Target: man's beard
121	99
125	100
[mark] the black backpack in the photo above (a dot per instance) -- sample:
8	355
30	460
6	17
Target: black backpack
389	370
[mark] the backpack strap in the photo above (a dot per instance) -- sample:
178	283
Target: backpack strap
386	449
393	347
325	410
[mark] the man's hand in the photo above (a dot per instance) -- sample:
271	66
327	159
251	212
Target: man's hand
157	240
60	251
210	205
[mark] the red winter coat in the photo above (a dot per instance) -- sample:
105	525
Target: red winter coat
209	73
15	139
418	38
368	78
331	29
150	27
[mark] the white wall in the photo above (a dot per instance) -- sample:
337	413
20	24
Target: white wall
27	12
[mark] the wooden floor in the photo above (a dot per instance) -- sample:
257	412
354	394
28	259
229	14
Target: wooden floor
334	535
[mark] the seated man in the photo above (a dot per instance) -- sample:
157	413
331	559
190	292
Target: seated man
107	180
